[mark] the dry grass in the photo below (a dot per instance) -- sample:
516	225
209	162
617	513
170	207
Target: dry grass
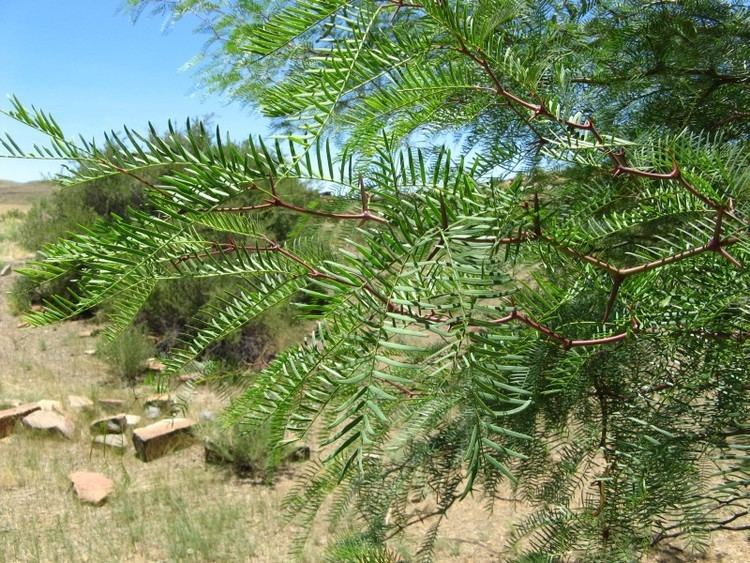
10	250
15	200
175	508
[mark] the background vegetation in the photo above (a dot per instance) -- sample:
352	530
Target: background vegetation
173	303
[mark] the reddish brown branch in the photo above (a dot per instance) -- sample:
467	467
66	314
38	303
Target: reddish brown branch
404	390
617	156
245	208
566	343
365	215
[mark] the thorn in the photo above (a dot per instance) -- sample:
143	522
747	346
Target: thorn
616	283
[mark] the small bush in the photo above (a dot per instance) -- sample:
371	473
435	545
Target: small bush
49	219
128	353
25	292
248	454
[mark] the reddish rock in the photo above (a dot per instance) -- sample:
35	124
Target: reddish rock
88	333
77	402
9	417
50	405
50	421
93	488
155	440
161	401
110	425
155	365
188	377
132	420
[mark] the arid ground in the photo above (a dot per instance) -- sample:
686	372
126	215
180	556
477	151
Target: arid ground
176	508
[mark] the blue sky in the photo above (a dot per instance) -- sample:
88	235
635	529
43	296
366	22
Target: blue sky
93	69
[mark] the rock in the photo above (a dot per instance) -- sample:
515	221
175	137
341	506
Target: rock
77	402
88	333
23	324
112	404
51	406
158	439
116	441
110	425
132	420
36	308
50	421
9	417
5	270
93	488
162	400
188	377
207	416
90	352
153	412
155	365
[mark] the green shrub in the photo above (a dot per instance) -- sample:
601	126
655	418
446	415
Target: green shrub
249	455
127	354
49	219
26	292
19	296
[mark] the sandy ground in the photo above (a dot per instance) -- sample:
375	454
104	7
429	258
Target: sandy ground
175	508
158	504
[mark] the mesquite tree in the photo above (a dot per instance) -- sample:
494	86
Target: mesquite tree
556	297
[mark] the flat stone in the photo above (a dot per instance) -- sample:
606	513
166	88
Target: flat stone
162	400
116	424
207	416
50	421
93	488
51	406
116	441
158	439
132	420
88	333
77	402
155	365
111	404
9	417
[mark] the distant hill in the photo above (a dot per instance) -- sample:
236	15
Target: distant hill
21	195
